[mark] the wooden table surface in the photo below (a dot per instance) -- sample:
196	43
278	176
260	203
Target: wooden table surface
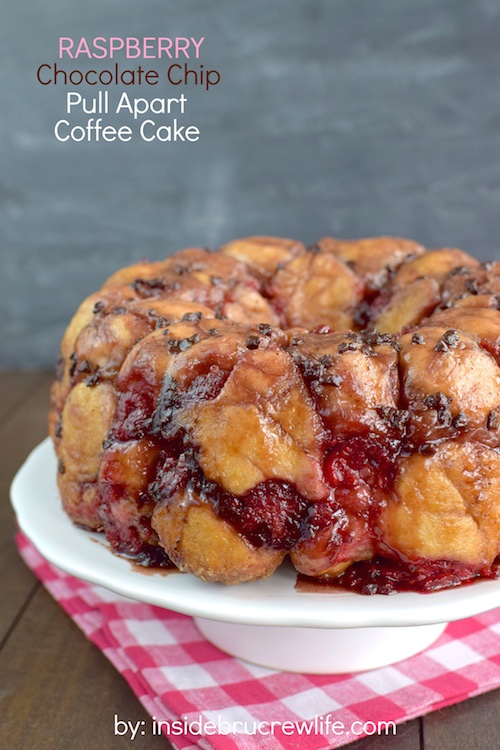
58	691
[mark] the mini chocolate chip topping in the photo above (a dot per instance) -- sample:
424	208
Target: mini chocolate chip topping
417	338
192	317
347	346
427	449
84	366
437	400
471	286
444	417
92	379
461	420
72	359
441	346
253	341
182	345
450	338
397	418
492	420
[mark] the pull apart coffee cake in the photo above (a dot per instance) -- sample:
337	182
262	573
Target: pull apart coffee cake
338	404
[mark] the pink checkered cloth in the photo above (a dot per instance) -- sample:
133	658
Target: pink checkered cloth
184	681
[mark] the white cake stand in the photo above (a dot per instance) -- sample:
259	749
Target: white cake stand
269	622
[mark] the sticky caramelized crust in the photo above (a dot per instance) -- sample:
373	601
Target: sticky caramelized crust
339	404
445	506
317	289
263	254
374	259
450	384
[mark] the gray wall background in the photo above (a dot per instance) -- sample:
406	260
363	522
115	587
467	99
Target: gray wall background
332	117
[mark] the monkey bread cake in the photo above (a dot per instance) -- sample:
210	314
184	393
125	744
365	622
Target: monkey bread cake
337	404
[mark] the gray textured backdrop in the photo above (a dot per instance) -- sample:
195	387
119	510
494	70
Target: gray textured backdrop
350	118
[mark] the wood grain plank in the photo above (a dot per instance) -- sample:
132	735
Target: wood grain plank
58	691
24	428
16	581
14	387
23	405
407	737
472	724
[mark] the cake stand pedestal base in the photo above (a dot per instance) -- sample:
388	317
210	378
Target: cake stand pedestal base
319	650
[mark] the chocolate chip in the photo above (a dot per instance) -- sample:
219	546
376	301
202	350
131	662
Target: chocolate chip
417	338
60	467
265	329
58	430
98	307
119	310
441	346
443	417
376	339
213	331
397	418
427	449
471	286
333	379
253	342
92	380
192	317
216	280
346	346
437	400
492	421
72	359
460	420
182	345
450	338
187	343
84	366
